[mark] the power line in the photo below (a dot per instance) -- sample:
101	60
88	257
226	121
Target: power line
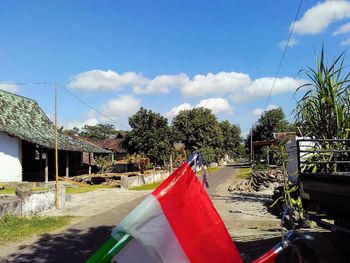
26	83
69	92
91	107
284	53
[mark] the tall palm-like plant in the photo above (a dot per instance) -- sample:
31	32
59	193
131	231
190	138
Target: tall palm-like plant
324	110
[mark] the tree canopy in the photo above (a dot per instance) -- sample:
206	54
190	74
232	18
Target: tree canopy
97	132
199	129
150	135
231	137
269	122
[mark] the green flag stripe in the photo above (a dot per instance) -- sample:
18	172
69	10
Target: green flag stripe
109	250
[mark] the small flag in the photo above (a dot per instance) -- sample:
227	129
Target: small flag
176	223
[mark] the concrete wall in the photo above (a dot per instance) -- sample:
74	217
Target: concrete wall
28	202
10	205
134	181
10	159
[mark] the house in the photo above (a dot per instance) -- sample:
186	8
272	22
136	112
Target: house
277	138
27	143
114	144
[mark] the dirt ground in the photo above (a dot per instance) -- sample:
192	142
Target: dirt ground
246	218
255	230
245	215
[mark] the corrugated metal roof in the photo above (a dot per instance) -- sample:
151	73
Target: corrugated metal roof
23	118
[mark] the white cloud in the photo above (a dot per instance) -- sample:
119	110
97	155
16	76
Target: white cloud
90	121
217	105
175	111
342	29
219	84
345	42
259	111
292	42
261	87
319	17
95	80
233	84
239	86
120	108
9	87
162	84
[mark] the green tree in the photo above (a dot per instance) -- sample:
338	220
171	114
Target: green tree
199	129
231	138
71	132
97	132
270	121
150	135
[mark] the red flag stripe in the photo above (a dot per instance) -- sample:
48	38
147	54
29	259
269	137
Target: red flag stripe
194	220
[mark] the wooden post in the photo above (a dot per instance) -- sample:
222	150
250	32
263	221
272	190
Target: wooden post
56	149
40	167
251	149
89	163
171	163
298	156
47	167
67	164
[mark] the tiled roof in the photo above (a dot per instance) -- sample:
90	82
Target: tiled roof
115	145
111	144
284	135
23	118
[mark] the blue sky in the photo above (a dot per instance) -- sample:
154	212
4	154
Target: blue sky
164	55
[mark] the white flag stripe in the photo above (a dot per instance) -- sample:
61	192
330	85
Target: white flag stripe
133	252
148	225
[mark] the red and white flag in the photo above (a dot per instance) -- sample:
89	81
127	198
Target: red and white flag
176	223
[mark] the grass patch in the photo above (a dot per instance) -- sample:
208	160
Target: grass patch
208	170
13	228
244	173
85	189
146	186
7	191
212	169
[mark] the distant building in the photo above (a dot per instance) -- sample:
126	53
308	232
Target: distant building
113	144
27	143
277	137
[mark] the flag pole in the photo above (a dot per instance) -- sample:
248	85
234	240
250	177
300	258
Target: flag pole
56	149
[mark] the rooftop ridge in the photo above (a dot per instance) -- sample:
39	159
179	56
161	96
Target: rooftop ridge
16	95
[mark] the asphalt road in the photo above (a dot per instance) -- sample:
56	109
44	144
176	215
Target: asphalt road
80	241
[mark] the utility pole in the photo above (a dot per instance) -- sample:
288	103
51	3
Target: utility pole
56	148
251	149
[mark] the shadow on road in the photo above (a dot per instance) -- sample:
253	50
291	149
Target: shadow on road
323	247
73	245
239	165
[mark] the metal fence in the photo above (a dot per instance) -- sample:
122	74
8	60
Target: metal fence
323	156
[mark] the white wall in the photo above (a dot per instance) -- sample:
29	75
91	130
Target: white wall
10	159
293	156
